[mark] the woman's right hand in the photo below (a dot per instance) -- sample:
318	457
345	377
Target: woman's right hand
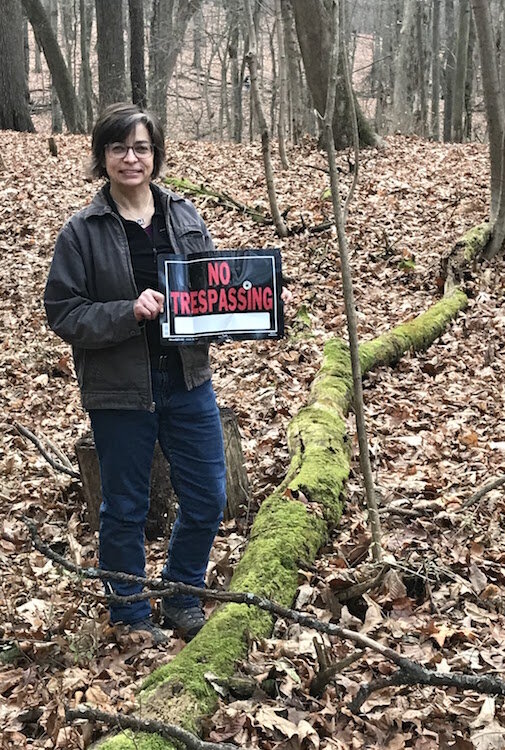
148	305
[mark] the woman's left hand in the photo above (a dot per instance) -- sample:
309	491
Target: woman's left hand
286	295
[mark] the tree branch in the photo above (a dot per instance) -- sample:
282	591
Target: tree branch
65	469
409	673
122	721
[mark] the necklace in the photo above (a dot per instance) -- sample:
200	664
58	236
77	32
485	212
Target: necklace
140	220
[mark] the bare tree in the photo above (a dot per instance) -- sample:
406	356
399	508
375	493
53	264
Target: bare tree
170	19
14	110
137	69
265	136
313	31
59	72
458	106
110	49
402	115
435	72
85	85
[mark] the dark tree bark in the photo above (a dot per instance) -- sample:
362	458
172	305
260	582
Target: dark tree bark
137	70
14	110
313	31
110	48
59	72
85	85
458	106
295	84
435	72
56	115
169	22
450	67
237	71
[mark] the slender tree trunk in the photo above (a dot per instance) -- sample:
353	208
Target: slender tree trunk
350	307
85	85
137	70
283	91
59	71
26	49
435	72
295	84
469	81
110	48
423	52
56	115
458	106
402	115
493	100
265	138
14	109
198	38
450	65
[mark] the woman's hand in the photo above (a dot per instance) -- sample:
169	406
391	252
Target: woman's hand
286	295
149	305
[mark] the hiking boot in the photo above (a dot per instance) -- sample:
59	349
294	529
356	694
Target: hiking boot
147	626
186	621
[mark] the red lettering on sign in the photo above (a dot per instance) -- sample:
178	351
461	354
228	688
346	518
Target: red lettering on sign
241	299
232	299
184	297
223	301
267	298
175	301
218	273
202	301
212	297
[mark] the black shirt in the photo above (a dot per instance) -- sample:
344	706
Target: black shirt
144	246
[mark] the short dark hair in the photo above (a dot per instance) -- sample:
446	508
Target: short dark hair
114	124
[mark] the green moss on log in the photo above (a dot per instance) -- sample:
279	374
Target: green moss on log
475	241
291	525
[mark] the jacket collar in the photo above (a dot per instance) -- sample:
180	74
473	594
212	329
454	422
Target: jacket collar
100	205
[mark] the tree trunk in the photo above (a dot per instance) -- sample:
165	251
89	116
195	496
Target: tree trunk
285	530
435	72
198	39
402	113
169	22
492	97
265	137
56	116
237	77
295	85
68	26
458	106
450	65
312	28
163	500
26	49
469	81
110	50
85	85
14	110
283	88
137	70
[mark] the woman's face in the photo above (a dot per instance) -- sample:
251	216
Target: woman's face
131	170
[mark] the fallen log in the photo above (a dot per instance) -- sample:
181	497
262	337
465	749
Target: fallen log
291	525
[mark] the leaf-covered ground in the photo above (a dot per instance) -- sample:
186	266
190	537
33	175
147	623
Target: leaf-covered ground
436	432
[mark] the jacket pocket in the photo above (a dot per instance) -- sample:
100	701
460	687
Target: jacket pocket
190	238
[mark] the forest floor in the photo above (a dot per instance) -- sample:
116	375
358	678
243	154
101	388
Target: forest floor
436	430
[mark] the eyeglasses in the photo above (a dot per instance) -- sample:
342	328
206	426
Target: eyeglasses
142	149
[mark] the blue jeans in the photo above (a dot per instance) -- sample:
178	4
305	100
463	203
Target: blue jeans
188	428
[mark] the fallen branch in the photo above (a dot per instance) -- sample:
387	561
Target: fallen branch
409	673
219	197
483	491
151	726
65	468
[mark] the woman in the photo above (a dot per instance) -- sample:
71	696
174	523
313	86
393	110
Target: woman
102	297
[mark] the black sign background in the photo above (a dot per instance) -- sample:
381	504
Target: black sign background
223	295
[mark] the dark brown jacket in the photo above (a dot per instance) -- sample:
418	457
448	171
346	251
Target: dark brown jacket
89	299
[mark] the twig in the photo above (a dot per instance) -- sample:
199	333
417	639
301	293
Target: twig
326	674
409	673
168	731
55	464
483	491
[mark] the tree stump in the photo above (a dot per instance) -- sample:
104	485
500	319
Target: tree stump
163	500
